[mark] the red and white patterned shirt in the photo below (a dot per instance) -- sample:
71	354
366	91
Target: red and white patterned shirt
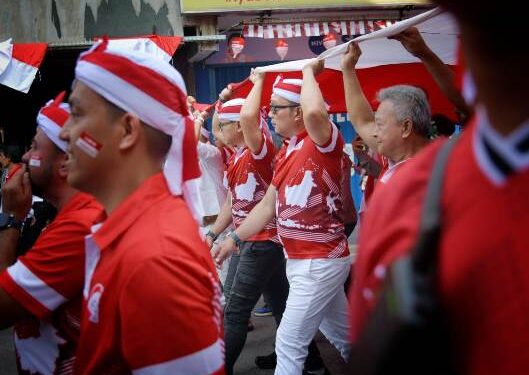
249	176
309	200
151	291
48	282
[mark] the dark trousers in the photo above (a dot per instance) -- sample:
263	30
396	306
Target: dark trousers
261	268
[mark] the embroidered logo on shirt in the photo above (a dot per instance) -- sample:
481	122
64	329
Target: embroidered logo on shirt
93	303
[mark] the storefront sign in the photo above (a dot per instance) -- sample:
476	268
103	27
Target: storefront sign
193	6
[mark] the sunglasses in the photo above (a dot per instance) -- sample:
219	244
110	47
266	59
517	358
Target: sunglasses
275	108
221	125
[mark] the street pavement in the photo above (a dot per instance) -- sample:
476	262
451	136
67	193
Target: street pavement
259	342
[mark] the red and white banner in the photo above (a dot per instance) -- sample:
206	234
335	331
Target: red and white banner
384	62
19	63
292	30
162	47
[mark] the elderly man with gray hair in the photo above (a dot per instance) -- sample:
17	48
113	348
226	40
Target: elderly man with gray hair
401	125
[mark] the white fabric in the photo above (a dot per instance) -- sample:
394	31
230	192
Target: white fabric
6	51
212	190
143	45
438	29
35	287
18	75
316	300
203	362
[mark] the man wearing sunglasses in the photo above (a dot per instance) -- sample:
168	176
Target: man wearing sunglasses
306	199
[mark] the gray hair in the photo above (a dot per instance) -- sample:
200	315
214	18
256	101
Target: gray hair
409	102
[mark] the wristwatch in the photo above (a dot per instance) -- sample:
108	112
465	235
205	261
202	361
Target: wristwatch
9	221
235	238
212	235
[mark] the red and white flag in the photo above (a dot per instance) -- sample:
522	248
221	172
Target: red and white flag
384	62
162	47
19	63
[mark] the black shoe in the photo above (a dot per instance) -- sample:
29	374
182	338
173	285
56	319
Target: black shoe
266	362
314	366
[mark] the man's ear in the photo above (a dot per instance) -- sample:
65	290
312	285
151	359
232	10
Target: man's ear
407	128
63	171
299	113
131	128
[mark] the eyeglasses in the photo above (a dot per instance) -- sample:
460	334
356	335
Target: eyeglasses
221	125
275	108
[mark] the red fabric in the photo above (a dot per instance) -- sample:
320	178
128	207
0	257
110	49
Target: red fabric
168	43
248	179
371	79
145	79
191	168
30	53
57	262
159	298
309	203
55	113
483	278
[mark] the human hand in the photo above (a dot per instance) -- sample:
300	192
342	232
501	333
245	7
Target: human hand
412	40
255	76
16	194
315	66
351	56
226	93
224	250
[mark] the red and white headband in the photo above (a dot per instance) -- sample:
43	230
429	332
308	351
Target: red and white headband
52	117
288	88
231	110
155	92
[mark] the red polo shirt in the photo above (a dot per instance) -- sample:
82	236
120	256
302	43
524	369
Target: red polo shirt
308	180
48	282
151	291
484	246
249	176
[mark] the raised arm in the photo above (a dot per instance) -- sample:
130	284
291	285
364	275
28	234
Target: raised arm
412	40
199	119
358	108
315	114
16	199
250	114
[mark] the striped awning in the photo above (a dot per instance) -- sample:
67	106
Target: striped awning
292	30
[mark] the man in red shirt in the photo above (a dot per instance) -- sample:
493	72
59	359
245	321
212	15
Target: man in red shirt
261	265
152	296
41	292
401	125
483	257
305	197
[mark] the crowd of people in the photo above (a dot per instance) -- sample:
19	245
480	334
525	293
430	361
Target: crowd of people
160	237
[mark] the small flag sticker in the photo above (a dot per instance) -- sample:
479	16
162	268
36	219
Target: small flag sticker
88	144
34	161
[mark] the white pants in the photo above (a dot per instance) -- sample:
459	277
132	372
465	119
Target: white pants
316	300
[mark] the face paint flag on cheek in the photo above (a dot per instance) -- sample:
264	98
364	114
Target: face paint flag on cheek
88	145
34	161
